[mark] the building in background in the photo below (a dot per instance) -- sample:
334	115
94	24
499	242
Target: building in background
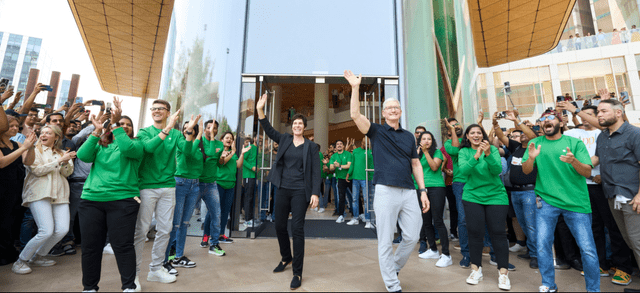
63	94
20	53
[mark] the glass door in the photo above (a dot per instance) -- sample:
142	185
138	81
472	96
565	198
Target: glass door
373	111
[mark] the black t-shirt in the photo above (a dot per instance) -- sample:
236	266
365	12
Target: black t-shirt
292	174
393	150
516	176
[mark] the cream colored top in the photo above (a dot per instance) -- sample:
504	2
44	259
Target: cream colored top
46	178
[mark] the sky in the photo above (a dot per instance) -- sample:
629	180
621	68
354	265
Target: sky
53	21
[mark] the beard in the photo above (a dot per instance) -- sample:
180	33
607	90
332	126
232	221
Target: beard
556	129
608	122
458	132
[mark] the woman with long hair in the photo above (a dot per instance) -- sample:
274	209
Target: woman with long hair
46	194
296	174
431	159
485	202
12	156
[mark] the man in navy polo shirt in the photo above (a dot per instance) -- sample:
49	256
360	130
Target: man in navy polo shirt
396	158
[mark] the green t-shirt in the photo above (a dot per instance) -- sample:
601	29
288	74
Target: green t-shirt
114	173
189	166
483	185
227	173
431	178
558	183
158	165
370	164
213	150
357	170
453	152
249	162
342	159
322	173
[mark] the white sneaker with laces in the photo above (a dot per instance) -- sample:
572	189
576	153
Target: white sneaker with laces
429	254
340	220
108	249
92	290
546	289
21	268
353	221
368	225
444	261
161	276
138	287
516	248
475	277
129	290
40	261
503	282
321	210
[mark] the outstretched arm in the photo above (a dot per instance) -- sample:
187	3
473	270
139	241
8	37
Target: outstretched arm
268	129
361	121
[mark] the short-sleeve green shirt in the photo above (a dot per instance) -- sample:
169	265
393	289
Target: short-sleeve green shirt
342	159
432	178
453	152
558	183
357	170
227	173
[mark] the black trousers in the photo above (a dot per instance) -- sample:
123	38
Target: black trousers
249	199
453	211
342	191
435	217
10	207
565	245
292	201
118	220
601	217
495	218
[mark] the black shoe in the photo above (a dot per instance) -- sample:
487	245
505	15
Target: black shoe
561	265
533	263
69	249
169	268
296	282
57	250
524	256
576	265
397	240
281	266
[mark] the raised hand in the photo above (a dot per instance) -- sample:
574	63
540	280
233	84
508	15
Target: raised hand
480	117
193	122
448	126
173	119
604	93
261	102
30	140
246	149
6	95
486	147
97	124
533	151
353	80
511	115
16	99
569	157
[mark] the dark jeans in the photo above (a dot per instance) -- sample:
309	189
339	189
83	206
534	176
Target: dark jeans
27	228
601	217
292	201
249	200
495	219
342	191
226	200
10	201
118	220
75	191
435	214
453	210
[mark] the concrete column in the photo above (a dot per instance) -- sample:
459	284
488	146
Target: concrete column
51	96
73	88
491	93
321	115
32	81
555	81
277	102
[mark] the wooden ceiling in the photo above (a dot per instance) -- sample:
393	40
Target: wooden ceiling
125	40
510	30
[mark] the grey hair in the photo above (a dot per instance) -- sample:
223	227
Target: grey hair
386	102
615	104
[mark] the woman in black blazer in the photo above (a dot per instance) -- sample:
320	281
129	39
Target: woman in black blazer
296	173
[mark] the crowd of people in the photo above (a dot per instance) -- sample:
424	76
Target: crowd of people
600	39
569	189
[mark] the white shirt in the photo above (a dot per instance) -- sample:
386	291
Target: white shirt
589	139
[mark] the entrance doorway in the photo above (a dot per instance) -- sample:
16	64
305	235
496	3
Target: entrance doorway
325	101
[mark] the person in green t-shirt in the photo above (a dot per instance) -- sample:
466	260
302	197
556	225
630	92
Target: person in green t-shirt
358	175
431	159
158	186
228	166
109	202
189	168
249	180
563	164
485	202
340	164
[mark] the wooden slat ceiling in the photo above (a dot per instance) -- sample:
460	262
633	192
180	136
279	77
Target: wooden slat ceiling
510	30
126	41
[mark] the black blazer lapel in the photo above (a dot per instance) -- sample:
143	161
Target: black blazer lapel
305	151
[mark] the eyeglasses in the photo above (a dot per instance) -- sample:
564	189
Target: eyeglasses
550	117
392	108
158	108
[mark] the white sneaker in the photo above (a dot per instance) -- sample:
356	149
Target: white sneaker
503	282
40	261
19	267
516	248
429	254
546	289
129	290
315	209
368	225
108	249
361	217
138	287
340	220
92	290
161	276
353	221
444	261
321	210
475	277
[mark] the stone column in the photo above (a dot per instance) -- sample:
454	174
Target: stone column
321	115
73	88
51	96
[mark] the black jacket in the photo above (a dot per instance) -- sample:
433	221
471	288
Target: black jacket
310	162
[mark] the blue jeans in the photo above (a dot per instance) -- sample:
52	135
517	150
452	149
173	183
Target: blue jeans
264	203
580	226
358	185
463	234
26	228
524	204
211	197
226	200
187	191
328	185
368	202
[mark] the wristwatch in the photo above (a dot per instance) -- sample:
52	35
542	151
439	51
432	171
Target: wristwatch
423	189
114	125
577	111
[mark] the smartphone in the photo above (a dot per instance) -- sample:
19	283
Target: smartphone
106	123
108	108
536	128
66	104
97	103
4	82
40	106
503	129
47	106
560	99
564	112
78	100
47	88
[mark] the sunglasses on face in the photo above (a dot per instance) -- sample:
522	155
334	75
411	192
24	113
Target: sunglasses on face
550	117
158	108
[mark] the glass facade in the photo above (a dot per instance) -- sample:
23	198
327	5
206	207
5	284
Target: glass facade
64	92
530	90
30	61
11	57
